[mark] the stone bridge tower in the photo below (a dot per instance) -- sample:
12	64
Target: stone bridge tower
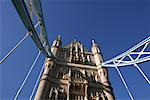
76	74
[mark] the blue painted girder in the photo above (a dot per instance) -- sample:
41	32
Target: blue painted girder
37	7
24	15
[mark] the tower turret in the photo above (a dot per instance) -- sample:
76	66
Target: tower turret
56	45
97	54
102	72
44	84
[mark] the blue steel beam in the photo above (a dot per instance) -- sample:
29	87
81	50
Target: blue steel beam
24	15
37	7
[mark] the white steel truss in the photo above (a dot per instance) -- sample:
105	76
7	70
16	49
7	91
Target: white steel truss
133	56
137	56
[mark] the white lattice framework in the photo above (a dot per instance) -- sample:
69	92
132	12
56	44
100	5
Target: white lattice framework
135	55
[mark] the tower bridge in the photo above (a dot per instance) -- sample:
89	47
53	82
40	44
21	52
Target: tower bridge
70	72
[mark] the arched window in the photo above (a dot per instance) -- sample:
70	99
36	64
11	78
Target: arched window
62	96
60	75
53	95
93	79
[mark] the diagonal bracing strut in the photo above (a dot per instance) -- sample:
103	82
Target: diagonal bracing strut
124	82
136	65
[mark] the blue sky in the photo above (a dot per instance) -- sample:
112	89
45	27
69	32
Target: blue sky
116	25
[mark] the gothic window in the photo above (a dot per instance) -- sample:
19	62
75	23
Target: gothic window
60	75
67	53
73	50
72	97
79	50
77	88
79	75
100	98
53	95
62	96
88	58
73	74
76	97
76	74
93	79
95	96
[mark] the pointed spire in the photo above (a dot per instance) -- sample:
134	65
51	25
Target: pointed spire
74	40
93	43
82	49
57	42
58	37
95	47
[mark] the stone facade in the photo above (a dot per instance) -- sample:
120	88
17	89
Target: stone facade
75	74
